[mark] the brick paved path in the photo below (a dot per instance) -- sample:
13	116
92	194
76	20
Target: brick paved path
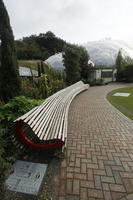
99	156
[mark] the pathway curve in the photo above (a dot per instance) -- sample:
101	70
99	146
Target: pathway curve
99	155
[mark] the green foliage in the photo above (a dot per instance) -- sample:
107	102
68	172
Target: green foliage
75	60
126	73
71	60
119	65
9	79
15	108
8	113
42	197
33	64
85	67
43	86
39	47
48	82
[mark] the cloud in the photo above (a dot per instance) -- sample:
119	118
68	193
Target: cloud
73	20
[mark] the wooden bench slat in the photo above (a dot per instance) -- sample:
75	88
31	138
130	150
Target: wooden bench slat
48	121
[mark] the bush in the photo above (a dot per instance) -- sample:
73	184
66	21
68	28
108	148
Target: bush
126	74
8	113
15	108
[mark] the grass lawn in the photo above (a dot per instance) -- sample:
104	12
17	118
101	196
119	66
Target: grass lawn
123	104
29	63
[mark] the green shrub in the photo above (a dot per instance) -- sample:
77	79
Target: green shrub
15	108
9	112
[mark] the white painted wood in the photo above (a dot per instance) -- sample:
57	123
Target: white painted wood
49	120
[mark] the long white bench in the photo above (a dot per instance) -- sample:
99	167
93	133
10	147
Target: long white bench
45	126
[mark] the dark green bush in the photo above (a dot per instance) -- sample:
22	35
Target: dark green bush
126	74
8	113
15	108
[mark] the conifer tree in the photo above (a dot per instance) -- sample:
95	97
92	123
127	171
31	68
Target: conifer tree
71	61
9	78
119	65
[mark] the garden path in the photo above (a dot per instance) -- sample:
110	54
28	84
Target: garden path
99	158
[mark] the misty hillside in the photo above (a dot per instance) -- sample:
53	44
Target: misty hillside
104	52
101	52
56	62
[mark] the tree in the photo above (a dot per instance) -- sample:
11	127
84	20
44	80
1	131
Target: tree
42	68
71	60
85	68
9	78
39	69
119	63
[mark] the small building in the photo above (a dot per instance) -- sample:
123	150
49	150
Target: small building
104	75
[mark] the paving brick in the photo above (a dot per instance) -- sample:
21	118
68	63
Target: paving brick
90	174
84	194
101	164
95	193
117	195
69	186
117	168
92	166
105	187
126	174
130	164
70	175
126	166
70	169
117	161
109	162
77	169
77	162
72	197
128	185
83	167
117	177
86	160
99	172
107	179
99	157
129	197
87	184
109	171
76	186
117	188
94	159
107	195
80	176
110	157
81	155
97	181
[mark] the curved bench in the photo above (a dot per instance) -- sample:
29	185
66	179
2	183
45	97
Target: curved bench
45	126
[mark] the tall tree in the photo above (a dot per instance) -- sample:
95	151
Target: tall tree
119	63
85	68
71	60
9	78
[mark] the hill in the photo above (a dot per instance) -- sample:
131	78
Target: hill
56	62
104	52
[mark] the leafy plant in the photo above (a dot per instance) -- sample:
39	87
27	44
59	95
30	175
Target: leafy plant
16	107
9	112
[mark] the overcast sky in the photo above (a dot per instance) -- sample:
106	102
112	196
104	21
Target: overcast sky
75	21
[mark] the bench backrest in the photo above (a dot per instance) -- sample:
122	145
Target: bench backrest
48	122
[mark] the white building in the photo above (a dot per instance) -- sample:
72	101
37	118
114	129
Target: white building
104	75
